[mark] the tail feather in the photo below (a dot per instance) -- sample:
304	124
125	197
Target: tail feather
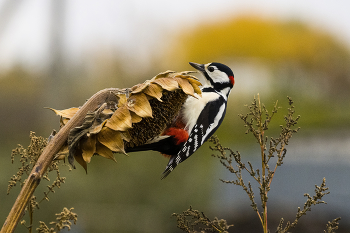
170	167
167	171
144	147
165	174
150	145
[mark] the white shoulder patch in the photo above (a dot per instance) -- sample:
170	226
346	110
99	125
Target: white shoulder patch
193	107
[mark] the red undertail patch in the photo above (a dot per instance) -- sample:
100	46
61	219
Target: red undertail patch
180	135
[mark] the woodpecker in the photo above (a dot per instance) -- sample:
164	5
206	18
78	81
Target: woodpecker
198	119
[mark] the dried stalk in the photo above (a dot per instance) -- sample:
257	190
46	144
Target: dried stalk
47	156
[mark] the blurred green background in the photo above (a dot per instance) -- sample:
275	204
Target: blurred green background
58	53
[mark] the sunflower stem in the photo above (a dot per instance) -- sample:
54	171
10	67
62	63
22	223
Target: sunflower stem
47	157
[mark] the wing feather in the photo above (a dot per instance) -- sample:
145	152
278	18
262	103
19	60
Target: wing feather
207	123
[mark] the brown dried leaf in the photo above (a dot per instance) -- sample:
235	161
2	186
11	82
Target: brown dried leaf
163	75
187	73
79	158
122	100
111	139
186	86
67	113
63	121
120	120
96	128
104	151
79	132
154	90
107	111
197	90
139	87
88	147
138	103
135	118
125	136
102	117
167	83
193	81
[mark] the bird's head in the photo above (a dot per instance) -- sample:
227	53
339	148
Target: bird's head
217	75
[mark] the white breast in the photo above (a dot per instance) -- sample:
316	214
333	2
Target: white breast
193	107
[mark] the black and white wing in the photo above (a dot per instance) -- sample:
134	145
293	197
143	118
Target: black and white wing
207	123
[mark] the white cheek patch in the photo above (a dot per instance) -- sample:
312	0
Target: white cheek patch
219	76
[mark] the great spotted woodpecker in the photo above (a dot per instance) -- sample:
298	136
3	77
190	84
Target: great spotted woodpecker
199	117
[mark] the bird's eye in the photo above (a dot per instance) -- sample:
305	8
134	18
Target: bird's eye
211	69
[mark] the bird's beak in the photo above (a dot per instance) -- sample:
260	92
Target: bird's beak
197	66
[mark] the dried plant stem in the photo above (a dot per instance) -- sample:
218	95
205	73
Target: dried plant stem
263	166
47	156
261	220
274	171
30	217
257	124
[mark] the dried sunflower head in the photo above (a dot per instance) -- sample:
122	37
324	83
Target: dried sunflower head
136	115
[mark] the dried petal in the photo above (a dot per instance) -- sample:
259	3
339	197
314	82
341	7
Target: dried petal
104	151
167	83
125	136
154	90
120	120
107	111
88	147
139	104
111	139
139	87
94	129
62	153
122	100
197	90
79	158
135	118
67	113
192	79
63	121
163	74
185	86
189	72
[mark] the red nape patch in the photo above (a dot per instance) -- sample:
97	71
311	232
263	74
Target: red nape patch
180	135
232	79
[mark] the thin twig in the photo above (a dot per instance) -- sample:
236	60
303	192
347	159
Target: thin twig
274	171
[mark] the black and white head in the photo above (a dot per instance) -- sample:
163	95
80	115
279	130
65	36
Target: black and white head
217	75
